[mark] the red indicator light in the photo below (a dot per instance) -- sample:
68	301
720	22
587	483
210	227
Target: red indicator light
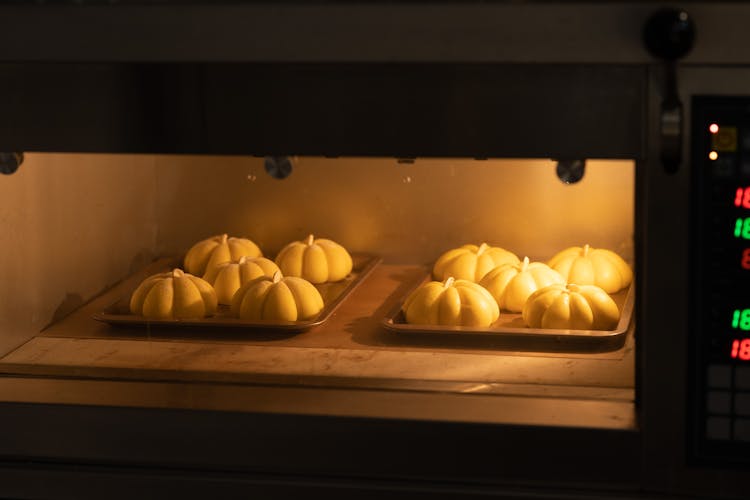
741	349
713	128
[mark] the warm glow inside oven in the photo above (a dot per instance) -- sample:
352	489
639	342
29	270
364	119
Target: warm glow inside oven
81	231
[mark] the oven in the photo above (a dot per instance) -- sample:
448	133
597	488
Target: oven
133	130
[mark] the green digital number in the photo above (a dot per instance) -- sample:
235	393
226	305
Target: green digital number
742	228
741	319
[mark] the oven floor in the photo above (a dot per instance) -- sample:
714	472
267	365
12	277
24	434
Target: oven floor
351	349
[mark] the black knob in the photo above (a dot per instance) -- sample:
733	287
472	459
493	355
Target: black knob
669	34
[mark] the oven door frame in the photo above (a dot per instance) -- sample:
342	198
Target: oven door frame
335	438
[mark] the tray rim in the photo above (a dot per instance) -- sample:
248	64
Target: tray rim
472	333
371	261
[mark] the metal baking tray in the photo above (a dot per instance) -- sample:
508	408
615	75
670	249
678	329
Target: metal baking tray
510	333
333	294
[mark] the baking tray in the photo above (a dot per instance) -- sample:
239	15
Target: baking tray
510	333
333	294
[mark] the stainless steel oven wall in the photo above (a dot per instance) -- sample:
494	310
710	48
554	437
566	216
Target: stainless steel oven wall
72	225
406	213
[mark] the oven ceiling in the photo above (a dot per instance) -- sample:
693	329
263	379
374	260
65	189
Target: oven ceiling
401	110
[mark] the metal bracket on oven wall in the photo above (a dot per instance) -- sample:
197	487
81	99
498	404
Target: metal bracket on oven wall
669	34
278	167
9	162
570	171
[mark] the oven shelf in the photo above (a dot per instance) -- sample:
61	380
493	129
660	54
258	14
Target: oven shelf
350	350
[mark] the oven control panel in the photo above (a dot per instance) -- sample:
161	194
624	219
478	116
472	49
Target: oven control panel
720	261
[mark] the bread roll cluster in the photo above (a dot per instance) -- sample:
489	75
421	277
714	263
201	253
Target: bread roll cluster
232	271
571	291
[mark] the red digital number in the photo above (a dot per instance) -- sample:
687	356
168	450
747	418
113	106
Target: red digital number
741	349
742	197
746	258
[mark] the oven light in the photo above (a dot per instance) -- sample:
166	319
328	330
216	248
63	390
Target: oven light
713	155
713	128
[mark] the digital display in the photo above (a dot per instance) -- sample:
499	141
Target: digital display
719	347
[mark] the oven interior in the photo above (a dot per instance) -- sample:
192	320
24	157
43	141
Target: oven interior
82	230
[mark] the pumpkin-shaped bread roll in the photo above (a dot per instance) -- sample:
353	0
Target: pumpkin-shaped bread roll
216	250
173	295
316	260
593	266
277	299
451	303
571	307
471	262
228	277
511	284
